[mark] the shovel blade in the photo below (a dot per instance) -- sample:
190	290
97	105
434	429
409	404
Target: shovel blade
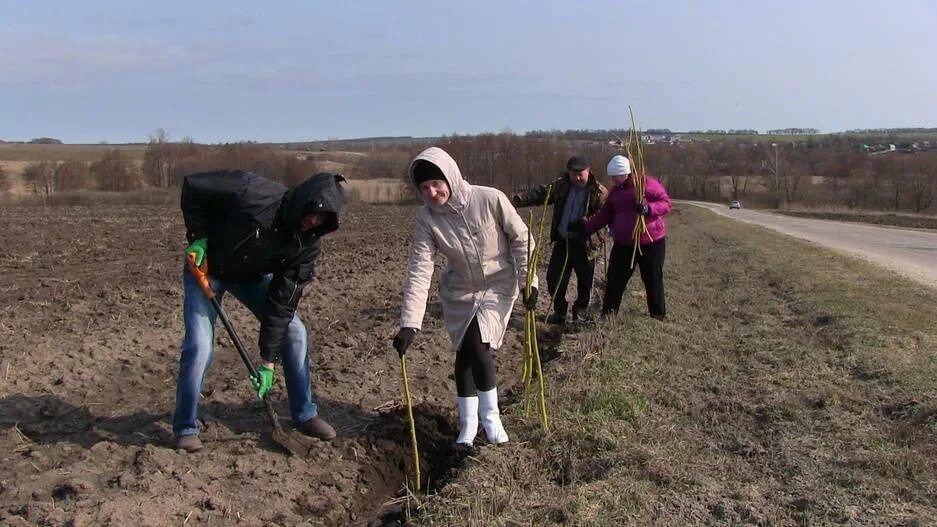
293	442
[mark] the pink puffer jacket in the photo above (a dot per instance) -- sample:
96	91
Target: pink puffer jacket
619	212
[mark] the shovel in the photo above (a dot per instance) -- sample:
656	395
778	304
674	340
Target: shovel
293	443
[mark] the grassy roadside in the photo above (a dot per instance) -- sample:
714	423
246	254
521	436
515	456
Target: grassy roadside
908	221
788	386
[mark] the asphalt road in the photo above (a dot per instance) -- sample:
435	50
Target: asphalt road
911	253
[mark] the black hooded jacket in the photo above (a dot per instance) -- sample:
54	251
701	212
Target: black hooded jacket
253	229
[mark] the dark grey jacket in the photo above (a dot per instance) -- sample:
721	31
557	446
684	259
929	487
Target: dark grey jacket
559	190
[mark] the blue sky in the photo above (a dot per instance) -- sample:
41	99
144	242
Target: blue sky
114	71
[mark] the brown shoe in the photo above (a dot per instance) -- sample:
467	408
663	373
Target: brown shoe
317	427
189	443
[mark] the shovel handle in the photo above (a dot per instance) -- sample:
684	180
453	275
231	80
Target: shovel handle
279	435
200	274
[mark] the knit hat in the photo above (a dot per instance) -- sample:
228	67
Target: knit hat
618	166
577	164
424	170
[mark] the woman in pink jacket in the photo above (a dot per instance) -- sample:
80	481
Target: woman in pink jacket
620	212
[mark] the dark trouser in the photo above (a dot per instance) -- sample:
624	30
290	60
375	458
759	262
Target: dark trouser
474	364
578	261
651	264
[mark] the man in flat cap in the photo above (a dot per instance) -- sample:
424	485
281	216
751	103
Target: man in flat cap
575	195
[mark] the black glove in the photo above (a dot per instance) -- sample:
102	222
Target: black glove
530	301
403	340
642	209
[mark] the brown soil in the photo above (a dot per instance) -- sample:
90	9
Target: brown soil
90	325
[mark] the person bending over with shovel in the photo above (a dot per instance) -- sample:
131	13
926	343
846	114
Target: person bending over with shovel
485	243
260	241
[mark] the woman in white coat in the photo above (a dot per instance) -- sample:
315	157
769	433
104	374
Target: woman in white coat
485	243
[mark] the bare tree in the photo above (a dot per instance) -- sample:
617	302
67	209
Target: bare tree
73	175
919	181
694	162
862	189
676	164
729	160
892	171
159	160
750	162
667	167
41	177
185	149
882	190
795	174
5	182
115	172
773	162
837	172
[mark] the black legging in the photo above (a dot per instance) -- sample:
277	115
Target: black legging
651	265
474	364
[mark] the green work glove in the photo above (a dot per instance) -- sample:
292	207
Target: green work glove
198	247
263	381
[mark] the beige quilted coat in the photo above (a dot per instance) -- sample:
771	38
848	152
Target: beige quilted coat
484	241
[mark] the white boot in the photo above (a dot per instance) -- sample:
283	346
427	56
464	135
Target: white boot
468	420
490	417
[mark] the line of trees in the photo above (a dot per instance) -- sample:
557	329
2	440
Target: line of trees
891	131
114	171
163	166
774	175
743	131
794	131
827	170
511	162
793	174
165	163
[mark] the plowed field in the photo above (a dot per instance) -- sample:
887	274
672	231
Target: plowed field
90	326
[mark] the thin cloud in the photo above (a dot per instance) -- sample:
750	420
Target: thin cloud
35	58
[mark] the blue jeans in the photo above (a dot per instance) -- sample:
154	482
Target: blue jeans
199	316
